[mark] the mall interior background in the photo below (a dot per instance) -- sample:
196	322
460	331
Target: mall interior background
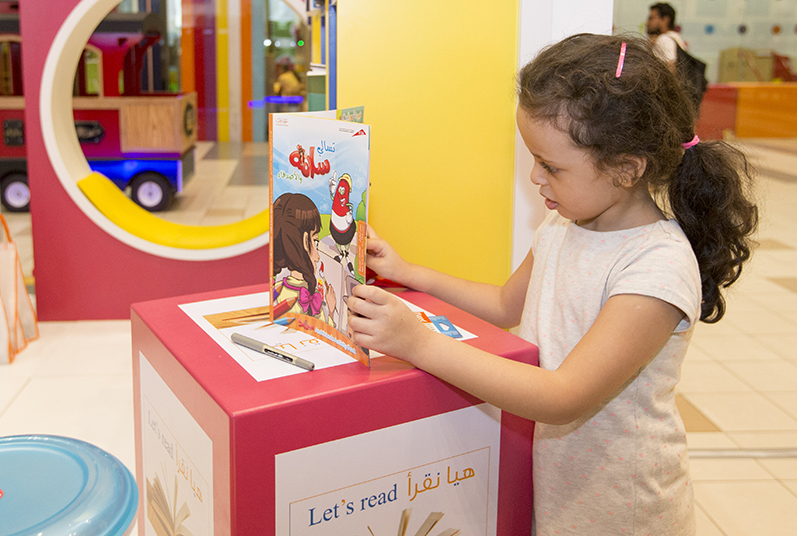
738	390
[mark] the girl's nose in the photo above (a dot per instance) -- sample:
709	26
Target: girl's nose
537	175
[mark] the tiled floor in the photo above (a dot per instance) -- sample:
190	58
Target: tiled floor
230	184
738	388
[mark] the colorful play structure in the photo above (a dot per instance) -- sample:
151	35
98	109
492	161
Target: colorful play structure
141	140
96	252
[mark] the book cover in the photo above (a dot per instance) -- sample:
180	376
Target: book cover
319	205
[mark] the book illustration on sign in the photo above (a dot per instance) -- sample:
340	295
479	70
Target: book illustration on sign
439	324
319	196
166	520
426	527
229	319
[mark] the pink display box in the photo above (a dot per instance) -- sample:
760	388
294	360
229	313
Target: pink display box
206	429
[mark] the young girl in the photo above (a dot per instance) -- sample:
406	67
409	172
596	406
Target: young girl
610	291
296	227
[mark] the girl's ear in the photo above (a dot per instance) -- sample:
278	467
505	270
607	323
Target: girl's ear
306	241
632	170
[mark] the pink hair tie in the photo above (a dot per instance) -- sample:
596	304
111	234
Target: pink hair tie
620	61
690	144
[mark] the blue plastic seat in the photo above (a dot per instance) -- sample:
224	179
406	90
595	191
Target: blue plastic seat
58	486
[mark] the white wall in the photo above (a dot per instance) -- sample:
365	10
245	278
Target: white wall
543	22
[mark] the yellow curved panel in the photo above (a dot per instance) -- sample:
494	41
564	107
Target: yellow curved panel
118	208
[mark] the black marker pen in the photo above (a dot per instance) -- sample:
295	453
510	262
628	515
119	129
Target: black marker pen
264	348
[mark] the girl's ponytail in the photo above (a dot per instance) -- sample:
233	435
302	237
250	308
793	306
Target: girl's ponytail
709	196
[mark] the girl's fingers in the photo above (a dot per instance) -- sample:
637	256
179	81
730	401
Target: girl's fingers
375	247
360	291
358	324
372	294
363	339
355	305
362	329
375	243
368	305
361	308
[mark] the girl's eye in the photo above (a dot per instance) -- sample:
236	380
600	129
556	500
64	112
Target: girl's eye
548	168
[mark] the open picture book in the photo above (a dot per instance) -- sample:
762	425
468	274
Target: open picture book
318	180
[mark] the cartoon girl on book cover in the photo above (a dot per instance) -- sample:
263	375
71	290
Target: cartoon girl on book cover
297	224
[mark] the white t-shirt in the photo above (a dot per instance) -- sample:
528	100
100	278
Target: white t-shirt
666	46
622	468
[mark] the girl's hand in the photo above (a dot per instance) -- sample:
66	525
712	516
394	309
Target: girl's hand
383	259
382	322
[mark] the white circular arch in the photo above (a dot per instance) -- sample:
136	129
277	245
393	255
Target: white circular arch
63	148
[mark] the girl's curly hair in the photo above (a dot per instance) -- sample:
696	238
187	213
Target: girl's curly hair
646	113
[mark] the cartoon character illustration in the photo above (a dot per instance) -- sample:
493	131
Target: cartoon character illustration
341	224
295	236
300	154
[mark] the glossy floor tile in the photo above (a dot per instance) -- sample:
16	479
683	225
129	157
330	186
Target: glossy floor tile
748	507
738	384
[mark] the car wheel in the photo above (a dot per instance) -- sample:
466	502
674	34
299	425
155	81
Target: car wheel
151	191
15	193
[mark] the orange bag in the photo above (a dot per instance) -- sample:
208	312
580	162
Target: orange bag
18	323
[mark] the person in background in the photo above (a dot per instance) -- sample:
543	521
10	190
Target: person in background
288	83
662	33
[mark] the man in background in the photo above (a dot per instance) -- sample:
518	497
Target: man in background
661	30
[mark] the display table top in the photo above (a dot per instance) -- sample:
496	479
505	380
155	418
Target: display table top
235	390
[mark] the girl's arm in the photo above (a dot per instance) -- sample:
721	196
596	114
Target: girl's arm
501	306
629	331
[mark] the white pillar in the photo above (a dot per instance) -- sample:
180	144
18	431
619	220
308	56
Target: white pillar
543	22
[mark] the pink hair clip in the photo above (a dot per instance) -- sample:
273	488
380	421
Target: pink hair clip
620	61
690	144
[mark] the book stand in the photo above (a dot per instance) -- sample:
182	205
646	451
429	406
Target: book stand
341	450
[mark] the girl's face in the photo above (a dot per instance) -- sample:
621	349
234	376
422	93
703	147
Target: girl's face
569	180
311	246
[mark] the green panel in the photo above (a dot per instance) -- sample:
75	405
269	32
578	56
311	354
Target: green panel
317	84
316	102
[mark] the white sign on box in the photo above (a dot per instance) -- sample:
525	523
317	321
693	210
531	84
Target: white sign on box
177	462
432	476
